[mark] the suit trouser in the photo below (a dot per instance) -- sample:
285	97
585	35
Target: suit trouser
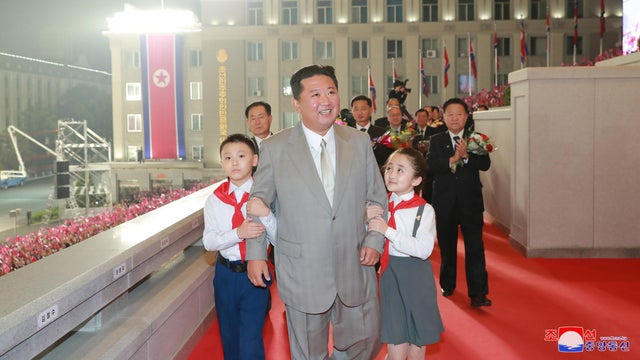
471	224
241	309
356	330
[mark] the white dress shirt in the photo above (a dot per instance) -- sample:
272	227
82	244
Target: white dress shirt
401	243
218	233
314	140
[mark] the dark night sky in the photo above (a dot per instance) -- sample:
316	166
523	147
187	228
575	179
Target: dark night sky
67	31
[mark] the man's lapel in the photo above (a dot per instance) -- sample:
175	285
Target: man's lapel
344	145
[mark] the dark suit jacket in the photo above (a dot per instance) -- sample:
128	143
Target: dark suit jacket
381	152
462	187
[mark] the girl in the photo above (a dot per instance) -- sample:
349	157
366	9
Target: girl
410	315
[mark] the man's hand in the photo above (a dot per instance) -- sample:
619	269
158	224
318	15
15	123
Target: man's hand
249	229
374	211
369	256
256	270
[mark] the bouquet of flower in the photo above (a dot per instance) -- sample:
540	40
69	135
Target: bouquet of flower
399	140
479	144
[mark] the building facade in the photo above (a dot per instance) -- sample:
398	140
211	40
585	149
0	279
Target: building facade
244	51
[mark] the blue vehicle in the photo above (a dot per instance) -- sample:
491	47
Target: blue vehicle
11	178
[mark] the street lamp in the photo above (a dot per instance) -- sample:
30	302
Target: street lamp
14	214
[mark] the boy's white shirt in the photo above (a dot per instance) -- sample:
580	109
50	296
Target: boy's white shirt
218	234
401	243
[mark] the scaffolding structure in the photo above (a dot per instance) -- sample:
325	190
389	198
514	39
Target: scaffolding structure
88	155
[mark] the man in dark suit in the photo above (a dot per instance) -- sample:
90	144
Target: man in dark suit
258	115
457	200
361	111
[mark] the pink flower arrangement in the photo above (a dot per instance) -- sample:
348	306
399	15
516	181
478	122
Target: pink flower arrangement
23	250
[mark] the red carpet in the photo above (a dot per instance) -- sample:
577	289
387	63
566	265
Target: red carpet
531	298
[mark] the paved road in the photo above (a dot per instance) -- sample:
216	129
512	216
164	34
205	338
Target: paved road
33	195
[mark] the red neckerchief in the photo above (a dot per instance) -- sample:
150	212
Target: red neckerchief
415	201
222	192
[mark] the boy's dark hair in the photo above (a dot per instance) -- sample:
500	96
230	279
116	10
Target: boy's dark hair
455	101
266	106
418	164
238	138
361	98
307	72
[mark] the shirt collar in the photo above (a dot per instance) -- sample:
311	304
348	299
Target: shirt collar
396	199
314	139
246	187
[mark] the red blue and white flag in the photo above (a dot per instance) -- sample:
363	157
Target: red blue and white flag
372	93
495	48
548	30
575	25
472	60
161	56
602	24
447	65
425	86
524	51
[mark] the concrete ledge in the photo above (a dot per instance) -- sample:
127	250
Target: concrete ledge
156	321
45	301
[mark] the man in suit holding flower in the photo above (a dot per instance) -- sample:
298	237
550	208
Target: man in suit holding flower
457	200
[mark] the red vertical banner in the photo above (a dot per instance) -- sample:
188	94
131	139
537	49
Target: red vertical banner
163	131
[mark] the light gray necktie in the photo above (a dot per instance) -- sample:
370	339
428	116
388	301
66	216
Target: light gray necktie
328	178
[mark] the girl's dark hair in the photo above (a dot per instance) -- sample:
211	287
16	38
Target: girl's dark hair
418	164
238	138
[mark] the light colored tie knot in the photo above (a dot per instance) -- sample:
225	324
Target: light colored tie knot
328	177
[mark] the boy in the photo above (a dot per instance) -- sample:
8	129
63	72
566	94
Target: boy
240	306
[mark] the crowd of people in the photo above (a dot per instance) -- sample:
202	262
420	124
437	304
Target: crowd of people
352	210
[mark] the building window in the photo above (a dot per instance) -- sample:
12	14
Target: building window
463	47
289	12
538	45
394	11
539	9
254	15
196	152
359	86
133	92
504	46
359	49
132	59
324	50
571	5
291	119
466	10
394	49
570	45
325	12
255	86
196	90
195	58
359	12
502	10
432	83
286	86
429	48
134	122
289	50
430	10
255	51
503	79
196	122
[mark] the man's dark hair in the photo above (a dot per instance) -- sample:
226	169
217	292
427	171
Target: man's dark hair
420	111
455	101
238	138
266	106
361	98
307	72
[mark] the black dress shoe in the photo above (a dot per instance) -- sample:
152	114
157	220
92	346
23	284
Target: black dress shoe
446	293
478	301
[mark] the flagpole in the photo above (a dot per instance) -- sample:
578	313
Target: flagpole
420	77
575	32
495	55
469	59
393	69
548	31
368	82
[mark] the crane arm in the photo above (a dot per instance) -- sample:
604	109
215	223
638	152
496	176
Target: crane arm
12	130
